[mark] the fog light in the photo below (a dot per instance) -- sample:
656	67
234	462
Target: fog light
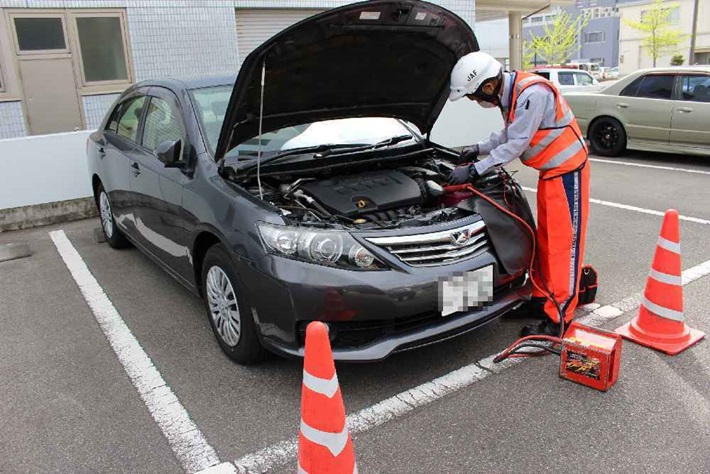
361	257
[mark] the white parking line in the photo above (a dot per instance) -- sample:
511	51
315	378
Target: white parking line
641	165
405	402
634	208
185	439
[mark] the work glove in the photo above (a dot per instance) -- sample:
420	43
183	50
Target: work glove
463	174
468	154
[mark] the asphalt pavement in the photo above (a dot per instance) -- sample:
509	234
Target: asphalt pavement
67	404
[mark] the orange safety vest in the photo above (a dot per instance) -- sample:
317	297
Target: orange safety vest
556	150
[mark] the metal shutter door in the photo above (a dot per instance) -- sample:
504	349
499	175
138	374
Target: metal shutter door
254	26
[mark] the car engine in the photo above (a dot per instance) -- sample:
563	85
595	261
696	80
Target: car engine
395	193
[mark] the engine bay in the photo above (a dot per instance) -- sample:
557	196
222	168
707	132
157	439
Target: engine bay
371	194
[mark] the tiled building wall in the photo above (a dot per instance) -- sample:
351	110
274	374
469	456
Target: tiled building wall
12	121
183	38
176	38
95	107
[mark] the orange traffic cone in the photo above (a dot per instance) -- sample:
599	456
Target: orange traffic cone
324	443
660	323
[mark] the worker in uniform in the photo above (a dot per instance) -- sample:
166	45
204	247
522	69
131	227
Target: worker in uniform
540	130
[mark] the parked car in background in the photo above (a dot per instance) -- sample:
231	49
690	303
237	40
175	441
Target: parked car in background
592	68
282	198
568	80
660	109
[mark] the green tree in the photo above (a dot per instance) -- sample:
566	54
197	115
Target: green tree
677	60
659	37
559	41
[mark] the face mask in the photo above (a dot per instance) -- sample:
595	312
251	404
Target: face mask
491	99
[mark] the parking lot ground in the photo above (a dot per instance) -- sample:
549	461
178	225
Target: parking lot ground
526	419
68	405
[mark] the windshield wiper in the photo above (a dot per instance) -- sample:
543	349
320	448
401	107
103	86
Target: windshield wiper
301	151
387	142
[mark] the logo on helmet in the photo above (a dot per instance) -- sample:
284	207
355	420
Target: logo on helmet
471	76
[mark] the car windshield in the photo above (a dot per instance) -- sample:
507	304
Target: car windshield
211	104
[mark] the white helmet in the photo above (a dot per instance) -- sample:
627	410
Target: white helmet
470	72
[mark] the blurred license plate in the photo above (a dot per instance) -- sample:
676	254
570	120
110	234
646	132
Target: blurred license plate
467	290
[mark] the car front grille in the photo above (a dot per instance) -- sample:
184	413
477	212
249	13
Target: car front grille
437	248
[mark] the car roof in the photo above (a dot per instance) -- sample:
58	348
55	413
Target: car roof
191	82
558	69
674	69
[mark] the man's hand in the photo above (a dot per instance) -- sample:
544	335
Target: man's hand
468	154
463	174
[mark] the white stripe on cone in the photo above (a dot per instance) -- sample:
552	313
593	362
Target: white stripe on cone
303	471
669	245
662	311
669	279
326	387
335	442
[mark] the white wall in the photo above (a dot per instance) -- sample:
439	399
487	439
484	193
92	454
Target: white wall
493	38
51	168
43	168
464	123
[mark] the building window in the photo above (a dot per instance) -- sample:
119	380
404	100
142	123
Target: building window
674	16
40	34
536	19
102	46
594	37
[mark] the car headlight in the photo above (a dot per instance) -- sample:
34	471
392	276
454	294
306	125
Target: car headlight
332	248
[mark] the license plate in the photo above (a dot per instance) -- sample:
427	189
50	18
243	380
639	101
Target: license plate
466	290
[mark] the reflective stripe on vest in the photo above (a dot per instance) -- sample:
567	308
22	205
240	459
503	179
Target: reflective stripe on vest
559	149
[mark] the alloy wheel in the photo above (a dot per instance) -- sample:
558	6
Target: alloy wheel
608	136
223	306
106	215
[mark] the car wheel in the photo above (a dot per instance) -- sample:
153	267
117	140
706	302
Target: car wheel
608	137
115	238
228	310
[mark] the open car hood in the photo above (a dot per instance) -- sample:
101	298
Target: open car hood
381	58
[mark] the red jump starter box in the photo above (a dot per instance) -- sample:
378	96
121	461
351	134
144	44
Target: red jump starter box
590	356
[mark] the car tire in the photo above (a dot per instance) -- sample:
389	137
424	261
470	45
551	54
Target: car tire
607	137
228	310
114	237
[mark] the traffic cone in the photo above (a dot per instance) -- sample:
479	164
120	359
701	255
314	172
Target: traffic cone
324	443
660	323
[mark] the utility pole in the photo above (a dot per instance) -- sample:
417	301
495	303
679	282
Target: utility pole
691	55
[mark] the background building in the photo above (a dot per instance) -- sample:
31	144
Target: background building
633	57
599	39
63	62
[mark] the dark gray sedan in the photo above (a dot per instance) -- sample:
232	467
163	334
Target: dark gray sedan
308	189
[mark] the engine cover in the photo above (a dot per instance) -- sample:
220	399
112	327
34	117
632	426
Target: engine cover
367	192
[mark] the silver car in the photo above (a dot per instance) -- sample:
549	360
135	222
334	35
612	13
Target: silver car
660	109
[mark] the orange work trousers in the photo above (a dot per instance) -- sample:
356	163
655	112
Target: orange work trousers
562	210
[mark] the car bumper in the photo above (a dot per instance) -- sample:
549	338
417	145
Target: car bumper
436	331
371	314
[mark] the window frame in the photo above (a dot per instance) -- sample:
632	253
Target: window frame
584	74
33	14
96	87
642	78
174	103
177	112
134	95
601	34
678	90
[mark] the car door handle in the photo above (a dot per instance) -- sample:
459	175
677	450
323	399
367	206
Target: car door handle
102	152
136	169
685	110
622	105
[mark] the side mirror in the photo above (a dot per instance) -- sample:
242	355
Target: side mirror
169	153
